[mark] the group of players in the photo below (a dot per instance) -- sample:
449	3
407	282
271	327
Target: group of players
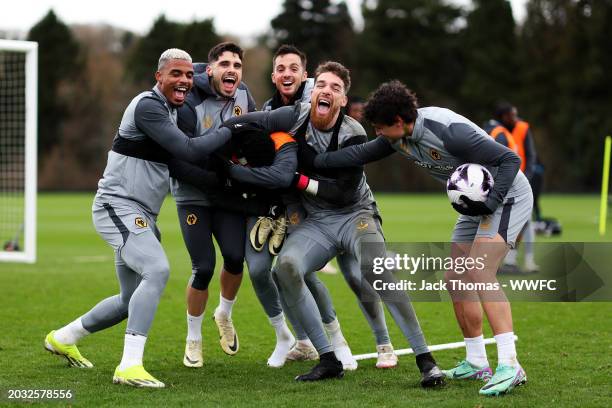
288	181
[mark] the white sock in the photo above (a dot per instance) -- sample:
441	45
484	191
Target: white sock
506	350
476	354
71	333
225	306
133	349
335	334
284	341
280	327
511	257
194	327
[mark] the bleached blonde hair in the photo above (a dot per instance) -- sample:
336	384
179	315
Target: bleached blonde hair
170	54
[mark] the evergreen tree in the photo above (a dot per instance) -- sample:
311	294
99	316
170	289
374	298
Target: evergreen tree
324	31
415	41
58	62
489	50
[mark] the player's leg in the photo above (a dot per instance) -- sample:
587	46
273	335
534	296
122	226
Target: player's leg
302	253
228	229
363	238
330	321
142	253
195	223
109	311
467	308
259	265
371	307
106	313
508	221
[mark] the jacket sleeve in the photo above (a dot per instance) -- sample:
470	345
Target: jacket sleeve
278	175
356	155
153	119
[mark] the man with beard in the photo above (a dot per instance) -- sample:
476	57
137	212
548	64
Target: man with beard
342	216
218	94
125	209
294	87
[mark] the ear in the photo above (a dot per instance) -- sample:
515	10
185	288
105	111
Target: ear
209	69
304	76
344	101
158	76
272	76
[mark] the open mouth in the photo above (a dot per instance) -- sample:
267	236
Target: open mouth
323	107
229	83
179	93
287	85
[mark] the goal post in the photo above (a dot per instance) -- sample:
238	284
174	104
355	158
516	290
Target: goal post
18	150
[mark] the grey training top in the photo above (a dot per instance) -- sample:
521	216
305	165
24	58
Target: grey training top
138	174
202	114
441	141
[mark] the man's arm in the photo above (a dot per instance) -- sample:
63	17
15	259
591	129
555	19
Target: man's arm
465	142
192	174
153	119
279	120
357	155
277	175
340	192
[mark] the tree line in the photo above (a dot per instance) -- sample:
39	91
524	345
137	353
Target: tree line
554	66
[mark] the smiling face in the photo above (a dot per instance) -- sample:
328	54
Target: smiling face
226	73
328	97
174	80
288	75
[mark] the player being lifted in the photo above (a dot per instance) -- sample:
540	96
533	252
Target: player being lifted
125	209
440	140
218	94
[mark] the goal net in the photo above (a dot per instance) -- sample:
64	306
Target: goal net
18	110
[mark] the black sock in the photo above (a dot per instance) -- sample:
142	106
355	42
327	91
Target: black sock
328	357
425	362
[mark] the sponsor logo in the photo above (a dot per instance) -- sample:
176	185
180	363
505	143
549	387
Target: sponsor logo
140	222
435	154
237	111
191	219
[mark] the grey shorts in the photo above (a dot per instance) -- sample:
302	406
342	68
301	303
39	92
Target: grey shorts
115	221
508	220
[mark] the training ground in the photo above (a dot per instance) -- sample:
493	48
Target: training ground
565	348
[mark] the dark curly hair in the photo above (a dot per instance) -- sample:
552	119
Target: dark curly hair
390	100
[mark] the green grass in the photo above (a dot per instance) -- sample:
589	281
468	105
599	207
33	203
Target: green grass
564	347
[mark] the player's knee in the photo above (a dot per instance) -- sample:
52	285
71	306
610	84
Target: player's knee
288	272
157	271
259	271
201	278
233	265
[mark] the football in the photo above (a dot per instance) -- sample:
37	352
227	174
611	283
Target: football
471	180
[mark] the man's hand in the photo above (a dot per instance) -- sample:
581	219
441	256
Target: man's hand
241	128
472	208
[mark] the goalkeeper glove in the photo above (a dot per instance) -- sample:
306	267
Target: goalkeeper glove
472	208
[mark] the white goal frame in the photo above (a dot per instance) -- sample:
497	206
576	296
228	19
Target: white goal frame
30	49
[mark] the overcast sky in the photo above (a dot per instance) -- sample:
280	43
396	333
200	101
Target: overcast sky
244	18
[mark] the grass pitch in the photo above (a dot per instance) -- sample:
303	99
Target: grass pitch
564	347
